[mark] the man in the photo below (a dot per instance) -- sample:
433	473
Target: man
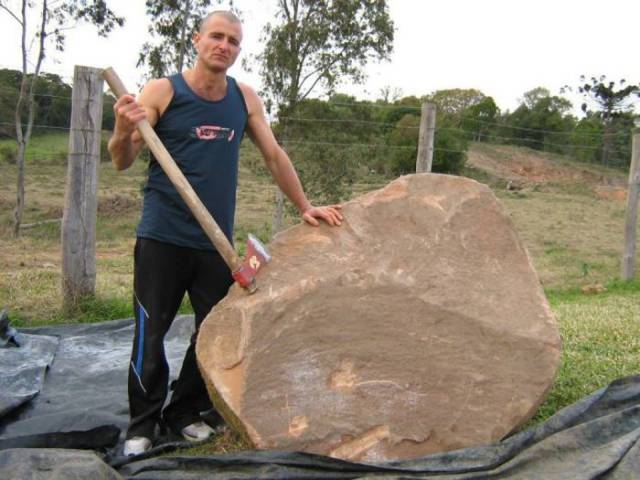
200	115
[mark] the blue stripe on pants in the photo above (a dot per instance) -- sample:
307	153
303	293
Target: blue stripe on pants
142	317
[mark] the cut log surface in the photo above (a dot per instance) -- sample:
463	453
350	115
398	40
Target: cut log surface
418	326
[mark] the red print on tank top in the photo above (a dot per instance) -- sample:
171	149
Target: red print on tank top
213	132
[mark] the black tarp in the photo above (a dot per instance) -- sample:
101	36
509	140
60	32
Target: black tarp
85	386
65	387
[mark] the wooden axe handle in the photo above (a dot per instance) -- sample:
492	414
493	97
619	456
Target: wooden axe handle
208	224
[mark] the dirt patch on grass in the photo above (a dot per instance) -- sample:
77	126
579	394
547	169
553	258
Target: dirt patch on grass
570	215
52	213
523	168
6	203
117	205
607	192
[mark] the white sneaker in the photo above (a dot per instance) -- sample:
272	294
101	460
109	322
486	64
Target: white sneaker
197	432
136	446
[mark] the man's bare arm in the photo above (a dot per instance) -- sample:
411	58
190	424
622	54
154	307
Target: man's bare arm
125	143
280	165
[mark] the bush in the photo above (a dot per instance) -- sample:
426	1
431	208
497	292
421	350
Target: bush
8	154
105	156
327	174
59	158
450	153
404	142
104	150
450	149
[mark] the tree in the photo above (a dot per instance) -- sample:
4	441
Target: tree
172	26
534	96
453	102
478	119
52	102
587	139
390	94
450	149
410	105
462	108
403	140
449	146
312	47
613	101
541	121
54	19
340	123
9	90
319	43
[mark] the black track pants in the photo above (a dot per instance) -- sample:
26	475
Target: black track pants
162	274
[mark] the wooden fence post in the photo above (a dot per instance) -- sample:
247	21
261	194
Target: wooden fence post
79	217
277	223
424	161
278	214
631	216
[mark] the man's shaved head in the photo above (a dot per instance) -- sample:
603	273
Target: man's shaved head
226	14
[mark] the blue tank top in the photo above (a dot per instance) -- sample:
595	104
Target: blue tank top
203	137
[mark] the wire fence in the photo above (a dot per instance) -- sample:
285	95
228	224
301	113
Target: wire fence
335	152
351	141
543	144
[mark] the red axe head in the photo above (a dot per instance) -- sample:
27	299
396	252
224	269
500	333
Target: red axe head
256	256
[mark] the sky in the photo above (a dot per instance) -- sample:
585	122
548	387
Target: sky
503	48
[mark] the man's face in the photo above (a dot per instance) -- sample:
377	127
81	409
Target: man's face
218	43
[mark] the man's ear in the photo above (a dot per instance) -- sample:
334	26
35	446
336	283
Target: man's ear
195	39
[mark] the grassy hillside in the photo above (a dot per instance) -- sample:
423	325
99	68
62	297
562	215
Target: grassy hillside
570	216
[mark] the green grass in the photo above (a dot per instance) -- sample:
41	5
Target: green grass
573	239
42	148
90	310
600	341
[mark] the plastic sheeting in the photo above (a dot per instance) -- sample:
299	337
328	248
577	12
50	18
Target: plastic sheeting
23	369
82	404
85	386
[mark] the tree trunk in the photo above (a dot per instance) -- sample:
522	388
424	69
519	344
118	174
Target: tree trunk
22	138
20	156
183	34
18	211
606	140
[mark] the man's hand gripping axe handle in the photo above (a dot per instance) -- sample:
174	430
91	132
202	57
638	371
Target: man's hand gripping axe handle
243	272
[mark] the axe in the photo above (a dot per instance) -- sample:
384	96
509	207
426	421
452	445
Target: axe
244	272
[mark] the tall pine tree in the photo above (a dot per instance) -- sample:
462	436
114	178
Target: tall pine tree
613	100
